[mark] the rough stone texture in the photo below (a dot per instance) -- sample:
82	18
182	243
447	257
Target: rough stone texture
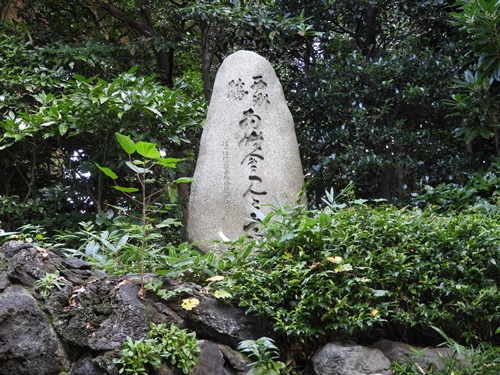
86	366
28	264
28	344
339	359
225	323
101	314
238	363
80	329
248	156
426	358
211	360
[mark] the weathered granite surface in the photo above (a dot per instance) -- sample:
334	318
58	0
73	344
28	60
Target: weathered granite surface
342	359
249	156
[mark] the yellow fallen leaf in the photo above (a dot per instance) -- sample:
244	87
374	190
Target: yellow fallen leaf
334	259
215	278
189	303
374	312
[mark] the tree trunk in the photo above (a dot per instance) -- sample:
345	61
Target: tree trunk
163	58
385	183
207	84
370	34
497	141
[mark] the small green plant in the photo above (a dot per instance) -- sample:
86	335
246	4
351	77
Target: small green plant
144	157
50	281
137	356
264	353
156	287
176	346
179	346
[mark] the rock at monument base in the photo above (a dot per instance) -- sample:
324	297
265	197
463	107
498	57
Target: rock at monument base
249	157
225	323
211	360
341	359
81	329
28	344
426	358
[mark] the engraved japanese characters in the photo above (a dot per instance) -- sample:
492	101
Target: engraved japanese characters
248	157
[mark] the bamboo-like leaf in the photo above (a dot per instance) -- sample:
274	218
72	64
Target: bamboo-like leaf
126	189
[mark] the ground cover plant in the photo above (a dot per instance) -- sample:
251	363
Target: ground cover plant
356	270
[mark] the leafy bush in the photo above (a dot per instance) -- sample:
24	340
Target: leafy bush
119	250
353	268
481	192
264	353
177	346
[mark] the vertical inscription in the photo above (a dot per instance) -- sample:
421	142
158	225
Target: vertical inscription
251	126
226	175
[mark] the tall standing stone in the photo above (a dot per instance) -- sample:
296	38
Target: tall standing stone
249	155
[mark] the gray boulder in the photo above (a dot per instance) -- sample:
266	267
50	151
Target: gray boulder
343	359
425	358
28	343
225	323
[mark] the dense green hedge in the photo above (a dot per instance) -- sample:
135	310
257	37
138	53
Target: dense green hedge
359	270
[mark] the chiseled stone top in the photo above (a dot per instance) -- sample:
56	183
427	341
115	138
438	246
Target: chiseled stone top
248	156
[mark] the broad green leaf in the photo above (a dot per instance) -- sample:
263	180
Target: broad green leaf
222	294
168	162
148	150
127	144
173	194
137	169
63	128
126	189
108	172
184	180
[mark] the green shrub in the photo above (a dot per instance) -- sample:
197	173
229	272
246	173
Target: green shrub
177	346
352	268
264	354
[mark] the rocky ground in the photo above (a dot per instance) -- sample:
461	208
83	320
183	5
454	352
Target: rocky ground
80	328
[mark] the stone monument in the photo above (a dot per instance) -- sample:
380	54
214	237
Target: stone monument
249	156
